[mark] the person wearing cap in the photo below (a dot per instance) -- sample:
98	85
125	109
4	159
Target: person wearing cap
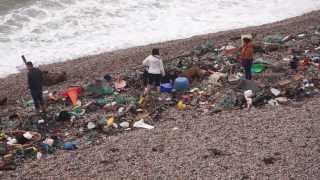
35	81
155	70
246	57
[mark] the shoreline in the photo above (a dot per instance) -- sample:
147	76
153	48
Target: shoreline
89	67
265	142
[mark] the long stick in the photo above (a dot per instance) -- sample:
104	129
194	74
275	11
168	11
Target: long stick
24	59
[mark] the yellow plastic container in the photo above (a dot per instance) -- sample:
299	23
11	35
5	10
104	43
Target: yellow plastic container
110	121
181	105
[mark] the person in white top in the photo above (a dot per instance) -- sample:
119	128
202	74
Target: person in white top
155	70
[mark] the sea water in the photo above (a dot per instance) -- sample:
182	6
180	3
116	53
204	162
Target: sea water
47	31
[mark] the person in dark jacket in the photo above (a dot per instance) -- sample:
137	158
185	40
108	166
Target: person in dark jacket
35	86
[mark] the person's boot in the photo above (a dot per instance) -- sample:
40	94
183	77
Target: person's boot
44	109
38	111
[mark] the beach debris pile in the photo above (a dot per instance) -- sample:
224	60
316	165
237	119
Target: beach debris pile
209	79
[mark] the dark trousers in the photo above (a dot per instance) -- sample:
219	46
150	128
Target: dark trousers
37	98
145	77
247	63
154	79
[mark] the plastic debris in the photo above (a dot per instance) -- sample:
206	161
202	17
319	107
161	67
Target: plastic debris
121	100
39	155
69	146
27	135
258	68
102	101
287	38
166	88
194	90
204	48
120	109
110	121
181	84
181	105
120	84
78	111
275	92
11	141
73	94
41	121
248	96
48	141
271	39
142	124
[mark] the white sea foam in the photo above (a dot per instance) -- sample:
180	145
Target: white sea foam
57	30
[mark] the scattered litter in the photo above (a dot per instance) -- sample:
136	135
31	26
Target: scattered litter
73	94
287	38
194	90
248	94
181	84
275	92
273	39
48	141
142	124
181	105
41	121
258	68
39	155
110	121
120	84
69	146
113	105
166	88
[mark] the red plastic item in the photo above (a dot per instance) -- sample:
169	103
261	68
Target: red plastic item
306	62
72	93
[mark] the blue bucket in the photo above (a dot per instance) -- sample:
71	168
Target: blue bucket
181	84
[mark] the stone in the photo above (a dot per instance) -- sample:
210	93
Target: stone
215	78
282	100
124	125
273	102
248	85
91	125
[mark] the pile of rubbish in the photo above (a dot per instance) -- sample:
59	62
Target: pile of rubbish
210	79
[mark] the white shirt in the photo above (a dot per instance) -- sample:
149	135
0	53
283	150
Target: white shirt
154	64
